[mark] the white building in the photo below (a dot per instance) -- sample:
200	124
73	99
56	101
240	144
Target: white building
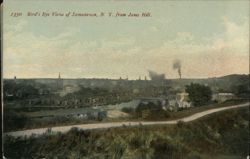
180	100
222	97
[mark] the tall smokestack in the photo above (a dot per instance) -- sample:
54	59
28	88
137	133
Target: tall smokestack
177	66
179	72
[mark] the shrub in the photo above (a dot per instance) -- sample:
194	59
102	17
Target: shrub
128	110
180	124
199	94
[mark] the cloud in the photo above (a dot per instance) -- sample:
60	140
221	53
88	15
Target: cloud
235	38
214	56
29	55
18	27
153	29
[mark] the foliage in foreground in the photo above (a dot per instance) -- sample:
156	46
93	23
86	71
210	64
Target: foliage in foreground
223	133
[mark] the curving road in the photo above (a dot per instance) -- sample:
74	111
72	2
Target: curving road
64	129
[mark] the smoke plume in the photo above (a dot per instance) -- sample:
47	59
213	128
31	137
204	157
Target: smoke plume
177	66
155	76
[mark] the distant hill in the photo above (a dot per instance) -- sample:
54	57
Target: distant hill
224	83
236	78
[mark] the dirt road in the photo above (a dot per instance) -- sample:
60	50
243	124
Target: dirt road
64	129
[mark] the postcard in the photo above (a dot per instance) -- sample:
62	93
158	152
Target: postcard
124	79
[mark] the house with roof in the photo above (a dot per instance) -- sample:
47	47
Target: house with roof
178	101
222	97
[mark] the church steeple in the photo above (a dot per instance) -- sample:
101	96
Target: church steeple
59	82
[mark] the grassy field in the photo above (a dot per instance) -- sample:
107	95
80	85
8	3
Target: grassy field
187	112
26	120
223	135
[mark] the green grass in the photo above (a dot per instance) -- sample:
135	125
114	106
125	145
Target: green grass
222	135
31	123
193	110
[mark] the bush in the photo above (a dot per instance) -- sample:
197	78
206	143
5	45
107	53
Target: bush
151	111
190	141
128	110
165	148
180	124
199	94
193	155
13	121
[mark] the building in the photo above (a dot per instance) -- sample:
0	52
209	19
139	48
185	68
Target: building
182	96
178	101
59	82
222	97
156	101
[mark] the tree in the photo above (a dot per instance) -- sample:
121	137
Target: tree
199	94
242	90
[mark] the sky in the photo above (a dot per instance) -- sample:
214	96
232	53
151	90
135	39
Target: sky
210	38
